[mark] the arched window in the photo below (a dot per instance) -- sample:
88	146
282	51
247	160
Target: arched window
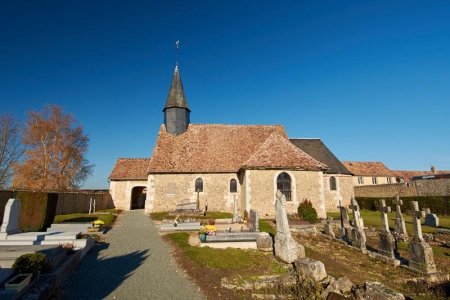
233	186
332	183
198	185
284	185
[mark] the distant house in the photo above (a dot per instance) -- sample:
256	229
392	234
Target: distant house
337	180
370	173
408	175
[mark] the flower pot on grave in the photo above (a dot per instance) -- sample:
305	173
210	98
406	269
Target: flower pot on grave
18	282
202	237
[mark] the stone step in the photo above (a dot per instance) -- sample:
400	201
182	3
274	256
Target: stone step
26	236
62	236
18	243
58	242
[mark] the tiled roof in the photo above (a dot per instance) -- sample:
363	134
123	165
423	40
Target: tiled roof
130	168
370	168
277	152
209	148
317	149
408	174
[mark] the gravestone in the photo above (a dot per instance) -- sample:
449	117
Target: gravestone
329	229
431	219
386	241
253	223
345	223
420	252
286	248
11	219
400	228
358	234
235	212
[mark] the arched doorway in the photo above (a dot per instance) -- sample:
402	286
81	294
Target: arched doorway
138	196
284	185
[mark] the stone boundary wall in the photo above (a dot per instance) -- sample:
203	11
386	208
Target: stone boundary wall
430	187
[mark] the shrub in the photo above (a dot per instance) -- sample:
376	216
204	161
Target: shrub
32	263
37	210
307	212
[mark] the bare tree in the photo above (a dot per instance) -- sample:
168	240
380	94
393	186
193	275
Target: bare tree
55	151
10	147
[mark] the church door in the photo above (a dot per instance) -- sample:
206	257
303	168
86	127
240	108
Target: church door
138	196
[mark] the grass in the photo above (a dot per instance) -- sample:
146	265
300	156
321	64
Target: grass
226	259
373	219
266	227
107	216
159	216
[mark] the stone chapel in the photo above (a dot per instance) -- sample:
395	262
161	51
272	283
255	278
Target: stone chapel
225	165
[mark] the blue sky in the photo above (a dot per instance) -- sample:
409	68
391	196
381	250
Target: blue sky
371	78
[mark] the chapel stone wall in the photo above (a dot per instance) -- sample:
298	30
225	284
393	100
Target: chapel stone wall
344	189
171	189
121	192
305	185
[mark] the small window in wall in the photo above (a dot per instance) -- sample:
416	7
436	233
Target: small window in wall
233	186
284	185
360	180
332	183
199	185
374	180
171	188
389	180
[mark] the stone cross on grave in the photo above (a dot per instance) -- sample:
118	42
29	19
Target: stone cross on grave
356	213
384	217
400	227
416	215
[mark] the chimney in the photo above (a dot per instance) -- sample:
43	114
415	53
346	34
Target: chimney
433	169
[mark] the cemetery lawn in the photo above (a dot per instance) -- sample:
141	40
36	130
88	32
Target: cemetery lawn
159	216
207	266
107	216
373	219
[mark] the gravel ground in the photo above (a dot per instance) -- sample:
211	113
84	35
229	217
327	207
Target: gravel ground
134	263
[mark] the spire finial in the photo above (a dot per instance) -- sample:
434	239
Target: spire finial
177	44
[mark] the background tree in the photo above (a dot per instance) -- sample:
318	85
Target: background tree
55	151
11	149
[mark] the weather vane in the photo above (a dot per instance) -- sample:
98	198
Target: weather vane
177	44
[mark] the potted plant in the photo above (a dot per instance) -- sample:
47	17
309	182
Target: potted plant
202	234
26	266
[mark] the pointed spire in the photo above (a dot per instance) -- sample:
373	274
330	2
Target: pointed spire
176	97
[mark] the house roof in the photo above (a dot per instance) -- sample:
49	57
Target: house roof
367	168
176	97
278	153
130	168
319	151
408	174
217	148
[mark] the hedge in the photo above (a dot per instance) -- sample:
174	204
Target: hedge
439	205
37	210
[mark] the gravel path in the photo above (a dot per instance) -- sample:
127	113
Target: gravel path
134	264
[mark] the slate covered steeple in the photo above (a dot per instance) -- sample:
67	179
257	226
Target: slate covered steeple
176	111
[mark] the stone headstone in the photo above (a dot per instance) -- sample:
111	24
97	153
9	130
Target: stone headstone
427	211
286	248
235	211
358	235
386	241
400	227
253	223
345	223
264	242
431	219
420	252
329	229
11	219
